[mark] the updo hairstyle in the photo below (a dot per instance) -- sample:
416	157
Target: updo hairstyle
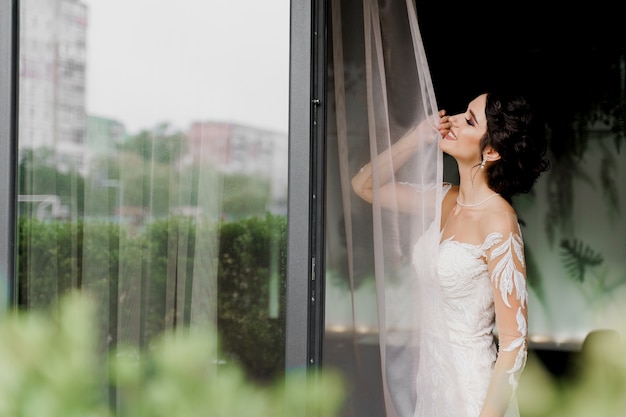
515	132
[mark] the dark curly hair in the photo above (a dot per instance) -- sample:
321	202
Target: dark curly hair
518	135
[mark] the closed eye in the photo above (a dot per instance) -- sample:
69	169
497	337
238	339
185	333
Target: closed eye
469	122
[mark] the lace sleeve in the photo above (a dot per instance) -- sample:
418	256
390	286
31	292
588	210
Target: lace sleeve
508	278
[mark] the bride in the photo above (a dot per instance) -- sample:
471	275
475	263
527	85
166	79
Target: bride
499	147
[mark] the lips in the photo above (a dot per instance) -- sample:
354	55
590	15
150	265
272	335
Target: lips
450	136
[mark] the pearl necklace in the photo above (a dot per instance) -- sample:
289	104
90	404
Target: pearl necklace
476	204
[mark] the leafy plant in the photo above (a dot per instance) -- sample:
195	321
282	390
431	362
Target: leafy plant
595	384
577	257
50	368
582	265
132	275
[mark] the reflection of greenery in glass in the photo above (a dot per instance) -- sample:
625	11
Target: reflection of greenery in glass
123	237
250	333
143	173
161	144
51	261
50	368
245	195
37	174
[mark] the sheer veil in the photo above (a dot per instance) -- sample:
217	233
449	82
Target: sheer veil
380	90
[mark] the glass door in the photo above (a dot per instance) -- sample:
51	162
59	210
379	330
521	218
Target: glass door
152	168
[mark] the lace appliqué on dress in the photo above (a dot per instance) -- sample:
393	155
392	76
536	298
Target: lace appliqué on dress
510	280
505	275
519	343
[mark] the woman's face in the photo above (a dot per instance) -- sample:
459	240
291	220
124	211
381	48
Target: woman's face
466	130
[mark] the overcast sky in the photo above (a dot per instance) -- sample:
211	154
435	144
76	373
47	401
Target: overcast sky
150	61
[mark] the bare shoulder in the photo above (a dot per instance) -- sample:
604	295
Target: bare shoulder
499	217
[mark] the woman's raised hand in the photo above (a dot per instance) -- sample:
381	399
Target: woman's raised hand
444	123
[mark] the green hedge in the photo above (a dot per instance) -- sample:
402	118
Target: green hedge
169	256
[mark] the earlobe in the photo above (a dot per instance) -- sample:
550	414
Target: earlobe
491	154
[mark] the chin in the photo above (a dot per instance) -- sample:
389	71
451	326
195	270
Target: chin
443	144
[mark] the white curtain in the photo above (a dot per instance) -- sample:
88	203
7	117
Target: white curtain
380	90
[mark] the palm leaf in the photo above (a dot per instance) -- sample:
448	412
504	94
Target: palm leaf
577	257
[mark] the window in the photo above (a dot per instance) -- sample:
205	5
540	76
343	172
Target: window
155	176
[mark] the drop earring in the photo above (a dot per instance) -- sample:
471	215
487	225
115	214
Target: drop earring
482	164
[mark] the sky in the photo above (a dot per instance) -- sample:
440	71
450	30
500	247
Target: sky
179	61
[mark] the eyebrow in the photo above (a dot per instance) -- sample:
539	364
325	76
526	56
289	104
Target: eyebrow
473	116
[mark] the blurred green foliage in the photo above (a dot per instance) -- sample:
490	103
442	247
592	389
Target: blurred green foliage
148	278
143	176
50	368
595	384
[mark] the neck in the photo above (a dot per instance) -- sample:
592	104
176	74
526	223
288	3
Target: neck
473	185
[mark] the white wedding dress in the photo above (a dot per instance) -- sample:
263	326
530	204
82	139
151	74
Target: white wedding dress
459	358
438	303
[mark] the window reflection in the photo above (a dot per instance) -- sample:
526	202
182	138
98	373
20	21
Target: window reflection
153	168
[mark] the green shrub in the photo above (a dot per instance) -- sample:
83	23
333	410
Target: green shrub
251	251
50	368
133	274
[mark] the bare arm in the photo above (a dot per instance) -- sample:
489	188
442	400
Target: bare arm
393	194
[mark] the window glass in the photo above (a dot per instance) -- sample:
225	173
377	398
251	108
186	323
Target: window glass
153	168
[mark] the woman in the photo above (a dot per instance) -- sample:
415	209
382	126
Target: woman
499	148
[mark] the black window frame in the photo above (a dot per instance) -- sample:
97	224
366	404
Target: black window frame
9	74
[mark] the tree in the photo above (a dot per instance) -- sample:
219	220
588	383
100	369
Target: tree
161	144
38	174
